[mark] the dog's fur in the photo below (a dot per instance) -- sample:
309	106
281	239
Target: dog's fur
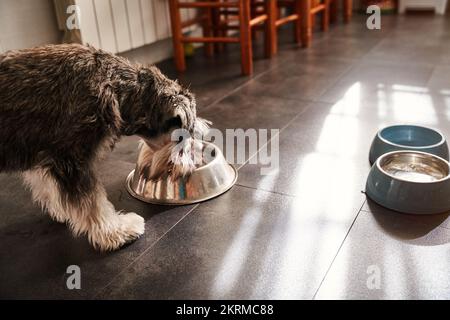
61	106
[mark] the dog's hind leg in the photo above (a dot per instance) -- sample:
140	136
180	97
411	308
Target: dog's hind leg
45	192
88	212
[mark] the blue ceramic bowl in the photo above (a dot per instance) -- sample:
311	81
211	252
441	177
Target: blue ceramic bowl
408	137
410	182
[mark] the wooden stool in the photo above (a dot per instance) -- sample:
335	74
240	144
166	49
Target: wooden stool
309	9
347	10
214	29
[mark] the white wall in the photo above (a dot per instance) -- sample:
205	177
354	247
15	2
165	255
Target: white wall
27	23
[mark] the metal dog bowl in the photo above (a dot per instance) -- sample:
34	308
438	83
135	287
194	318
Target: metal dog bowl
206	182
410	182
408	137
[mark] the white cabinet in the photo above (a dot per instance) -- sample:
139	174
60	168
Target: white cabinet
438	5
105	25
120	19
88	22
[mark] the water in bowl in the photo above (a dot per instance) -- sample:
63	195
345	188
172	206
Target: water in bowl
414	169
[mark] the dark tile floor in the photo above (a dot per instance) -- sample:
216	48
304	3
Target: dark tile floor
305	230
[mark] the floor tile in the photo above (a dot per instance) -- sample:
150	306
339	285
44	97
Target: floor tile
439	79
432	220
299	84
404	51
212	79
396	104
330	136
350	48
243	111
386	256
246	244
126	149
255	116
358	30
38	250
367	81
322	155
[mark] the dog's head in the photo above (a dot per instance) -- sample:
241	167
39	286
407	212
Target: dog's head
164	115
156	104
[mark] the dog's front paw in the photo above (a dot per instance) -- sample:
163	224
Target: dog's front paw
128	227
132	226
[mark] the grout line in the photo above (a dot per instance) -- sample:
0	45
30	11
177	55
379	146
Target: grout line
143	253
310	102
433	69
268	191
339	249
307	107
231	92
245	83
250	79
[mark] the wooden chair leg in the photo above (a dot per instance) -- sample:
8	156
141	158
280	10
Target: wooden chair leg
208	32
217	31
326	16
271	40
334	11
253	13
348	9
306	21
177	35
298	22
245	37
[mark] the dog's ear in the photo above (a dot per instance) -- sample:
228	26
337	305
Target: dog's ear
132	129
128	131
109	107
134	111
145	76
149	94
150	76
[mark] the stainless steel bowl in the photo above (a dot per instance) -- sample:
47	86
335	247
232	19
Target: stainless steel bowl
410	182
206	182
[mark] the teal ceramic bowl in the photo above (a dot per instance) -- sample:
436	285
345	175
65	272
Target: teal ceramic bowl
408	137
410	182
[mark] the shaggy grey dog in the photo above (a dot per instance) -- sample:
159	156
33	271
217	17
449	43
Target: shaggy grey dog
62	105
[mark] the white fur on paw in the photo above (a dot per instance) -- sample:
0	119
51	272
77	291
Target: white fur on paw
133	225
128	227
58	218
